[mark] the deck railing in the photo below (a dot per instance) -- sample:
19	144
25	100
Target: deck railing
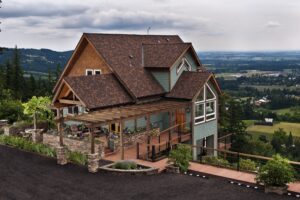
158	147
234	160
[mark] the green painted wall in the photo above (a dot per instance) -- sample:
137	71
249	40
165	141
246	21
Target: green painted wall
174	76
160	120
163	78
204	130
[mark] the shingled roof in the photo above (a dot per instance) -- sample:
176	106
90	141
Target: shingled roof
188	84
98	91
123	53
163	55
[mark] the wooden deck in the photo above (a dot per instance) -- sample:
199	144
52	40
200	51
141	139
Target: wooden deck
130	152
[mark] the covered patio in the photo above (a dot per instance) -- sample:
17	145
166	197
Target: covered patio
144	131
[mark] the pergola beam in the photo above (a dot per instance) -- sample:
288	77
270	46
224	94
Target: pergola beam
127	112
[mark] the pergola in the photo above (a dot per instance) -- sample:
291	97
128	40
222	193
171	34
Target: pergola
120	114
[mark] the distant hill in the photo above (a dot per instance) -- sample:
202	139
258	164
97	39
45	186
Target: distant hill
233	61
42	60
38	60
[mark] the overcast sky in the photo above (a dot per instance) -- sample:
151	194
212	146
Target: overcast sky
208	24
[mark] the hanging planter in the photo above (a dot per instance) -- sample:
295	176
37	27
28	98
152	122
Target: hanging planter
154	132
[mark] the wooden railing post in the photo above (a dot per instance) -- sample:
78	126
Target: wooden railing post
137	150
159	143
153	153
238	161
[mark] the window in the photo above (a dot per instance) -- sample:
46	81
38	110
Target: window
97	71
205	105
89	72
184	64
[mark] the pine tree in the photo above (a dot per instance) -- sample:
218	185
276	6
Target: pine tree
8	75
58	71
17	74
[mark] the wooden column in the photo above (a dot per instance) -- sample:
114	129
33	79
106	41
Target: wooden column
148	137
60	128
170	125
122	140
135	124
92	138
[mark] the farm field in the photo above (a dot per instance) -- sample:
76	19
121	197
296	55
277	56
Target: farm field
257	130
270	87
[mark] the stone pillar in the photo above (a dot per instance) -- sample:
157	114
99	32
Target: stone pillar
93	162
37	136
101	150
61	154
7	130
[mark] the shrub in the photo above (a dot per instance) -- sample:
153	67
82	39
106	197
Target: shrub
77	157
181	156
277	172
125	165
247	164
27	145
213	160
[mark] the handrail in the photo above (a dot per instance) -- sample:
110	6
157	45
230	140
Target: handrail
242	154
172	127
225	136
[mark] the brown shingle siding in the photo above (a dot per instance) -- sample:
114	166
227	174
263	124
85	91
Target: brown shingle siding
99	90
189	84
123	53
163	55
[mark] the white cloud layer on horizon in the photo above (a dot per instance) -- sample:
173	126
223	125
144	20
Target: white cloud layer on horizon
210	25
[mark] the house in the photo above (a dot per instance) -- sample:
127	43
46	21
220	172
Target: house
262	101
133	84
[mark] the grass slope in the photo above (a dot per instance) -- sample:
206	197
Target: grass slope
269	130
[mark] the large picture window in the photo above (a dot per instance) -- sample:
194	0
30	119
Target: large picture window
205	105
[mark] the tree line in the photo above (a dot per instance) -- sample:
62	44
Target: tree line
17	86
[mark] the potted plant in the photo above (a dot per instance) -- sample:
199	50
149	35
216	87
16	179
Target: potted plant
276	174
179	159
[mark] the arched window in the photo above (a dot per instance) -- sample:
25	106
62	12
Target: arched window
205	105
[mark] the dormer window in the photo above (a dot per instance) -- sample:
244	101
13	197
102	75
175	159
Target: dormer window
184	64
89	72
97	72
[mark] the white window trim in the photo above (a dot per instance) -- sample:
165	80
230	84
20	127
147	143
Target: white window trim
97	70
86	71
183	61
204	102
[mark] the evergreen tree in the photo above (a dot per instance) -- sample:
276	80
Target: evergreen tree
32	85
58	71
17	74
8	75
290	141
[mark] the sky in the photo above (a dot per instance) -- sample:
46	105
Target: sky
211	25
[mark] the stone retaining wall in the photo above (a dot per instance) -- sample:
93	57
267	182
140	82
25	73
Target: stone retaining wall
82	146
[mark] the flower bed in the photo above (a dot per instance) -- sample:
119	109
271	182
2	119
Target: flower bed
128	167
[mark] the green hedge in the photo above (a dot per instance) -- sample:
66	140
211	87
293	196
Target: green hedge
213	160
247	165
27	145
125	165
77	157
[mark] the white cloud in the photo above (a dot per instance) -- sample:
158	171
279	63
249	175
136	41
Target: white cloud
210	25
273	24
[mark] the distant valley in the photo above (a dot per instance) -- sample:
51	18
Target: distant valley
43	60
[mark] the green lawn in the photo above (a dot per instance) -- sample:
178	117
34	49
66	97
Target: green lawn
283	111
257	130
